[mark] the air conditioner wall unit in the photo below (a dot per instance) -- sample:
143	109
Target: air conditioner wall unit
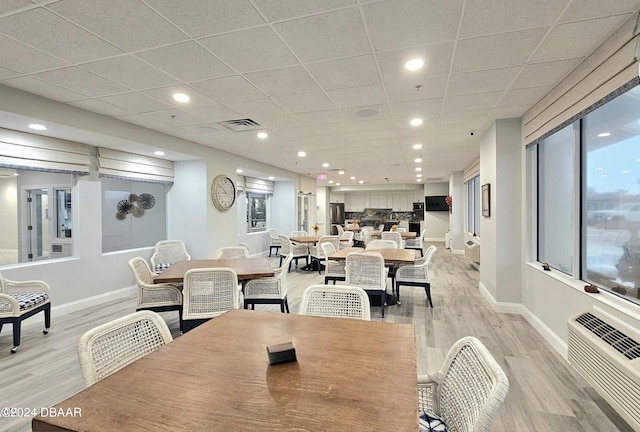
472	251
607	355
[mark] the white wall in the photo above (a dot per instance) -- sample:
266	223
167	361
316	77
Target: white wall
322	210
283	217
9	213
436	223
488	265
456	217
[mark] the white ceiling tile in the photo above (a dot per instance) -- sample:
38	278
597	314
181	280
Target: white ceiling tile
345	137
321	117
135	102
431	88
165	94
125	32
526	96
81	81
258	107
276	10
8	73
321	37
297	132
586	9
305	102
174	117
186	61
436	57
358	96
43	30
43	88
575	39
205	17
541	74
214	113
404	23
482	81
283	81
472	118
373	125
491	52
279	122
354	71
250	50
23	58
482	17
510	112
334	128
471	102
426	108
11	5
355	113
229	89
131	72
100	107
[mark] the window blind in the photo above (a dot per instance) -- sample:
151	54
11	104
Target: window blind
471	171
22	150
256	185
119	164
609	71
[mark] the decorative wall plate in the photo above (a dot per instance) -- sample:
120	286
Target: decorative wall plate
137	211
120	216
125	206
223	192
146	201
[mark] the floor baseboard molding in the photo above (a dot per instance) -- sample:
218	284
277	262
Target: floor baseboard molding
78	305
517	308
434	239
457	251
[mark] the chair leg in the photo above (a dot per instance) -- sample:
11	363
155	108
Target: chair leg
3	324
319	266
383	301
280	265
286	304
47	319
397	286
282	307
16	336
427	289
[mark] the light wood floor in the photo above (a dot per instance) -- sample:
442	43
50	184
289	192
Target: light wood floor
545	393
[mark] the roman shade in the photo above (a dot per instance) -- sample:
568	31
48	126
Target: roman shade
256	185
609	71
22	150
471	171
119	164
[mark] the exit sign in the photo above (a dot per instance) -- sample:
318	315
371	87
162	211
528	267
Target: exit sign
322	176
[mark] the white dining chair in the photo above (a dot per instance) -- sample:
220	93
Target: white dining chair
335	301
155	297
298	251
167	252
316	252
367	271
274	241
415	275
416	243
333	270
269	290
231	252
208	293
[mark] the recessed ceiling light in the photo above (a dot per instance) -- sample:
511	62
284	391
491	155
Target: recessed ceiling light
239	170
341	172
16	174
414	64
361	181
599	169
415	122
352	177
262	135
325	165
181	97
417	146
337	184
158	153
417	160
418	175
302	154
418	169
271	178
626	172
418	179
604	134
36	126
330	181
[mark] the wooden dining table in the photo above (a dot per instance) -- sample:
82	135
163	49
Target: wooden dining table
305	239
404	235
217	377
391	256
246	268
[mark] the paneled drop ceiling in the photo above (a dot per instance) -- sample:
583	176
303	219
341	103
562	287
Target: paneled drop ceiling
322	76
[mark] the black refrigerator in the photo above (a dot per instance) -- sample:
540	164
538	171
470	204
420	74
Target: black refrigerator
337	216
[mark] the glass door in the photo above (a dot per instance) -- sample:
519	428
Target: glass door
38	224
303	213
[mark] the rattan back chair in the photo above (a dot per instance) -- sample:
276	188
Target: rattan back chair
156	297
393	235
208	293
333	270
416	274
167	252
110	347
298	251
381	244
335	301
367	271
346	239
416	243
231	252
274	240
317	254
269	290
299	233
469	389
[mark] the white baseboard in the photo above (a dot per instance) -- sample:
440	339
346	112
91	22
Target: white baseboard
517	308
78	305
457	251
434	239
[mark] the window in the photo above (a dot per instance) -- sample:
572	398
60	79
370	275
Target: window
607	141
32	214
134	214
472	197
256	212
555	200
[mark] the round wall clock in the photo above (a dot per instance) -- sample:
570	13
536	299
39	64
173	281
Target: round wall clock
223	192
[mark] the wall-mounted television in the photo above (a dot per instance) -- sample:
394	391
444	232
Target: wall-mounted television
435	203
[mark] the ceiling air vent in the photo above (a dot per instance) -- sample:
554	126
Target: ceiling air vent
241	125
